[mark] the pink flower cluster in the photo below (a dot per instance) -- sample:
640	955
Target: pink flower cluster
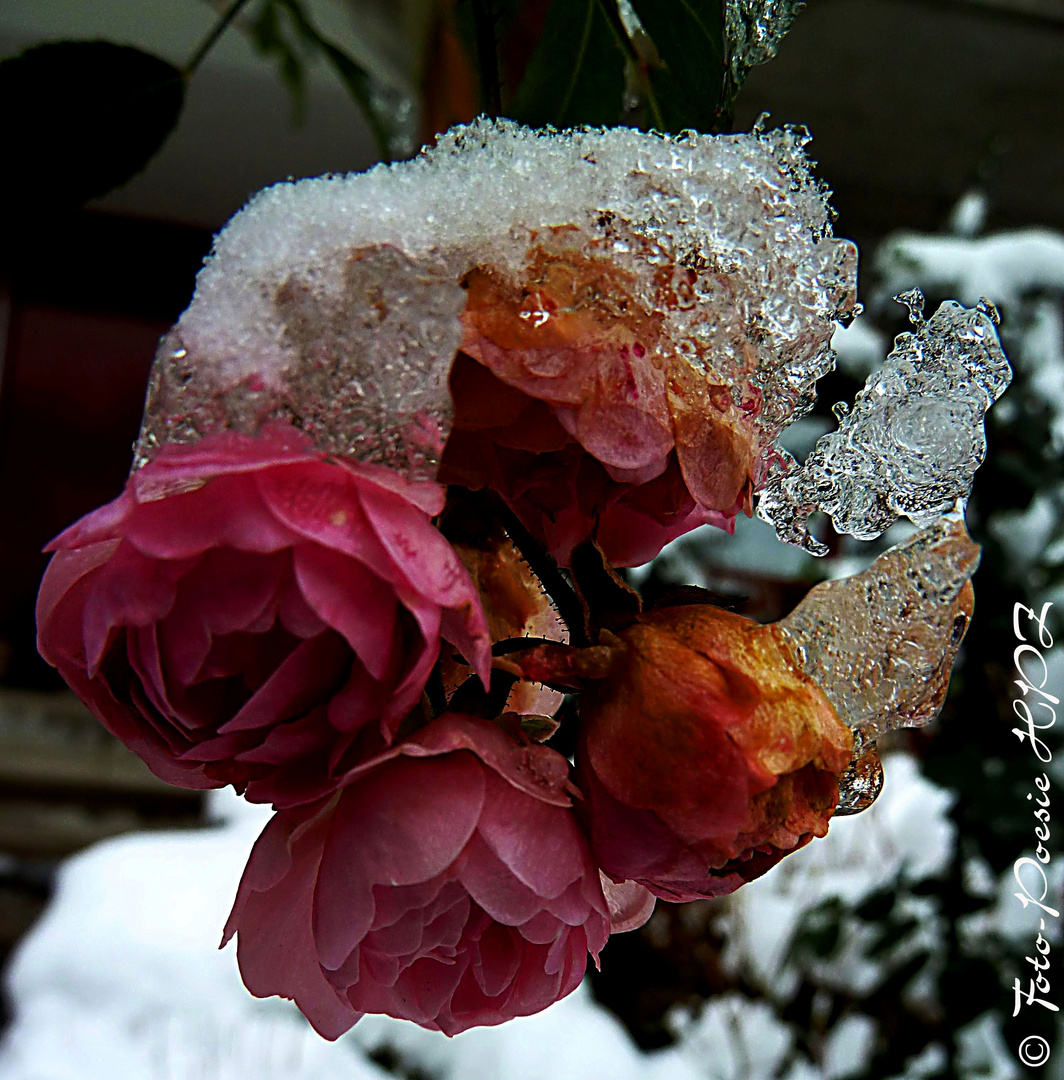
251	611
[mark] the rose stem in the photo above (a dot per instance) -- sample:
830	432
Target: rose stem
217	30
550	576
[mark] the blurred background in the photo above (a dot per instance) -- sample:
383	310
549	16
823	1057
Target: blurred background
888	949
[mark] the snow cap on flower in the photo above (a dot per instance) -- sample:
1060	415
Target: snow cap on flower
447	883
246	609
674	296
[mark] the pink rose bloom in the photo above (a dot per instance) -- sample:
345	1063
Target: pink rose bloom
448	883
247	608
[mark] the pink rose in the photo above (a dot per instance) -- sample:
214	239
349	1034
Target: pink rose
248	607
448	883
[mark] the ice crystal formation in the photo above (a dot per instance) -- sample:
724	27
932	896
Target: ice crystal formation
754	30
336	303
881	644
913	440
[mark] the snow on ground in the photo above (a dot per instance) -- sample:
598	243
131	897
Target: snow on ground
905	835
122	978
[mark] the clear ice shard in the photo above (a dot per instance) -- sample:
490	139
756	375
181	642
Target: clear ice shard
881	644
753	30
337	303
913	439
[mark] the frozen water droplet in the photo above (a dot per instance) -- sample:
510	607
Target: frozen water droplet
761	123
753	30
989	308
912	441
861	783
841	410
881	644
914	303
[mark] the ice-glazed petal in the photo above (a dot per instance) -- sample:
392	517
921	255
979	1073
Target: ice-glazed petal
624	422
181	465
352	600
391	827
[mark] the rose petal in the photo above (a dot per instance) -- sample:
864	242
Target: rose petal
346	596
391	828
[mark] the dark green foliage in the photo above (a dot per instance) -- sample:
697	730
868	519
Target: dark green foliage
268	35
370	98
688	35
576	75
81	118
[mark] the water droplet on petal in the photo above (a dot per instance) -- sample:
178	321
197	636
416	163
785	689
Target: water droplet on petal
861	783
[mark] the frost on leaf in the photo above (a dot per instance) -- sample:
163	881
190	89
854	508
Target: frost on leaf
337	303
913	440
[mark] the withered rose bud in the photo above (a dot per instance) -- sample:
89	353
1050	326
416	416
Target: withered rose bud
706	754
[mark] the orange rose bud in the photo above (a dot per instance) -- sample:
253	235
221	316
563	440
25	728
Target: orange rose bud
706	754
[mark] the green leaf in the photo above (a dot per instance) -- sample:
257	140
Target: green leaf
82	118
689	38
576	74
268	37
360	84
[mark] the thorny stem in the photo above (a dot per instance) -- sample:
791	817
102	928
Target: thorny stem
487	57
550	576
519	644
217	30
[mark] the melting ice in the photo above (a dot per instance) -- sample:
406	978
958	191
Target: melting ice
881	644
913	439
